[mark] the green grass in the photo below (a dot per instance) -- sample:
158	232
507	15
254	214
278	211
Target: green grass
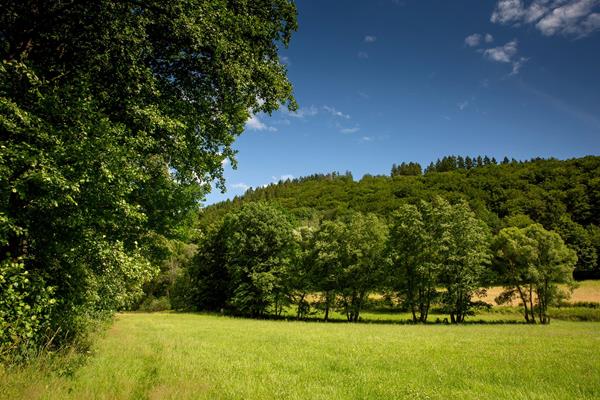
193	356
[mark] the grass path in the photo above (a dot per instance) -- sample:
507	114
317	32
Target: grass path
187	356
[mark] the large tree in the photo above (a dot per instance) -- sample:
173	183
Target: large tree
328	248
411	248
363	262
258	249
464	253
531	263
115	117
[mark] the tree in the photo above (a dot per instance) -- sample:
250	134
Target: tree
300	278
435	244
469	163
362	266
258	245
411	249
407	169
115	117
463	255
328	245
578	239
531	262
514	254
209	278
553	265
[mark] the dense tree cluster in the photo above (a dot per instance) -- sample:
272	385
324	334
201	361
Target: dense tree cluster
563	196
259	260
115	117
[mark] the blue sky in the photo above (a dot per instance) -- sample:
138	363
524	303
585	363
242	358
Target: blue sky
384	81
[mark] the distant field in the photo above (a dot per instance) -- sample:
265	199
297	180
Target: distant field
588	291
193	356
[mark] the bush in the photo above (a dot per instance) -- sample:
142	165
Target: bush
152	304
25	307
575	314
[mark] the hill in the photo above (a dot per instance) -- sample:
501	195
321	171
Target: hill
562	195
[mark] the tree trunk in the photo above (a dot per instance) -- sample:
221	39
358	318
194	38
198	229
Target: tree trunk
326	318
524	301
531	304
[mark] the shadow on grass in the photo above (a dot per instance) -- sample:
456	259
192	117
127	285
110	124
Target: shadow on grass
337	320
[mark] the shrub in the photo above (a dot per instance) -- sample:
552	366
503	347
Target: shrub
152	304
25	307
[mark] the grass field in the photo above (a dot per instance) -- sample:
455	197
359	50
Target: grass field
193	356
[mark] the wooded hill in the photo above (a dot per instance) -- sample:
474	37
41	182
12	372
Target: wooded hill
562	195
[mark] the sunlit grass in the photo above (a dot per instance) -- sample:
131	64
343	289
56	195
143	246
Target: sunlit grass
193	356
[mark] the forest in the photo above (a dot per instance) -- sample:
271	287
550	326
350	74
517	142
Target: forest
561	195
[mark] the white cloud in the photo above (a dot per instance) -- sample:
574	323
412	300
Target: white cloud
363	55
240	186
370	39
366	138
551	17
463	105
473	40
350	130
335	113
225	162
516	65
304	112
506	54
476	39
255	124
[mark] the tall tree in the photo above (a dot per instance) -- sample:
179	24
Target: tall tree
115	117
411	247
258	245
328	246
363	264
463	255
532	262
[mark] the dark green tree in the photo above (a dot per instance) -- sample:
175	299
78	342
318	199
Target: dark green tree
532	262
258	249
115	117
463	254
412	249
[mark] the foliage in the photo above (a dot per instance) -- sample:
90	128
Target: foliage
243	264
362	266
531	262
301	282
328	262
412	251
25	307
543	191
115	117
153	304
463	256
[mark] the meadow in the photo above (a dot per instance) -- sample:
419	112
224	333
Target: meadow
198	356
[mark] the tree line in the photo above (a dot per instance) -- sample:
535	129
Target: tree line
258	261
561	195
